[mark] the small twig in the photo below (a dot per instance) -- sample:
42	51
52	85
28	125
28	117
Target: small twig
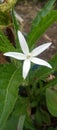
47	37
18	17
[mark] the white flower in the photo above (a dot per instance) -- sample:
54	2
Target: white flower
27	56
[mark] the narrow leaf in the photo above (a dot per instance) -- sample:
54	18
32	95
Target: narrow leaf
5	44
47	8
21	122
5	19
20	110
41	72
10	93
41	27
51	98
38	23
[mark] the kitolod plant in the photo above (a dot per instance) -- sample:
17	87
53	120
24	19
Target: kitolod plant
27	100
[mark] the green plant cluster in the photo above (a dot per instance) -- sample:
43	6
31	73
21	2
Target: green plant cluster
29	104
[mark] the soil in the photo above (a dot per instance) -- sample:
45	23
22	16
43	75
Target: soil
28	10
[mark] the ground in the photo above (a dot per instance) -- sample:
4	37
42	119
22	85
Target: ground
28	11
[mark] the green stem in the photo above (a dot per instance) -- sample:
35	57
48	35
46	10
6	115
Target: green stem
16	28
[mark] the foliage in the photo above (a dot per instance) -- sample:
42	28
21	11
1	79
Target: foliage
31	103
5	19
5	6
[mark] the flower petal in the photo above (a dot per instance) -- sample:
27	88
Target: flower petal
26	68
15	55
23	43
40	49
40	62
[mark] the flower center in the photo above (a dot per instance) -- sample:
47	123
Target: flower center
28	56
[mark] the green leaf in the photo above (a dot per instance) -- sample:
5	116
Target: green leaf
42	116
29	124
42	72
40	27
5	19
21	122
20	108
5	44
56	128
47	8
15	123
51	97
11	123
9	83
51	128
